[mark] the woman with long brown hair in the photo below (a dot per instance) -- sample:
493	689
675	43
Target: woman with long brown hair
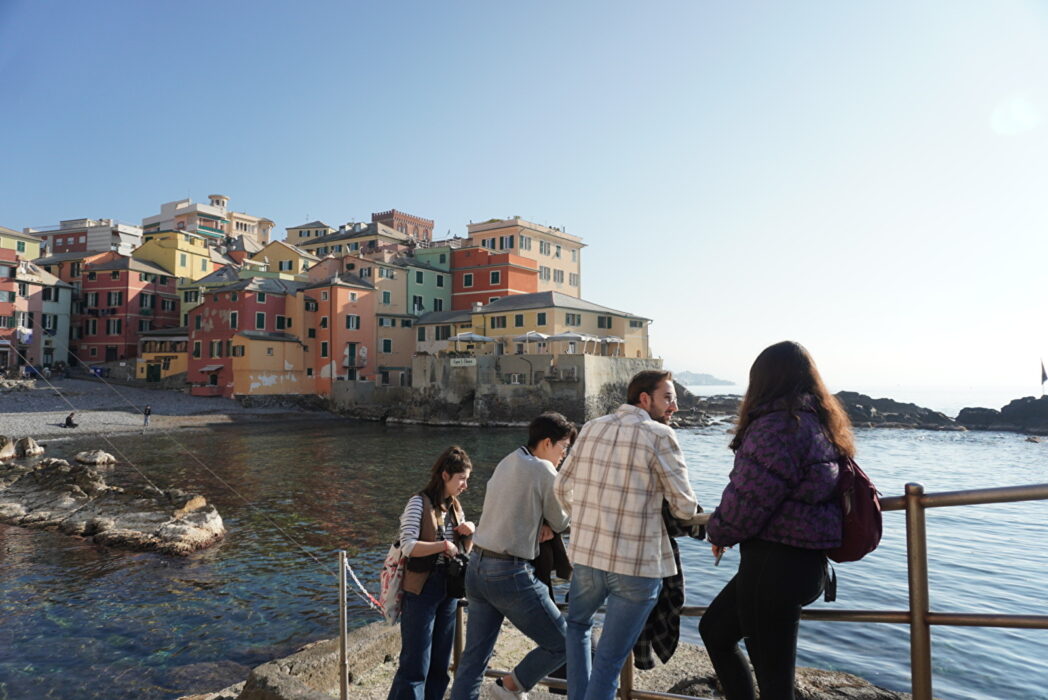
433	528
781	505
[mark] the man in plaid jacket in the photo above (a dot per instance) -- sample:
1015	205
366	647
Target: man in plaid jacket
620	470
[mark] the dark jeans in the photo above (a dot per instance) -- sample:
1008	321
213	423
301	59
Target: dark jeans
762	604
427	631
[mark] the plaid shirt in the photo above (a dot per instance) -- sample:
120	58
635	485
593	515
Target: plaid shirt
613	482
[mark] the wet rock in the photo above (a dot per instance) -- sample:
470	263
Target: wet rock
76	500
1026	415
28	447
95	457
866	411
7	448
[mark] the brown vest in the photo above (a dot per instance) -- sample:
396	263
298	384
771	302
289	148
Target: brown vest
427	532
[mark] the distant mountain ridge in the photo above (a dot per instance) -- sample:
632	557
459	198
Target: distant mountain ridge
699	379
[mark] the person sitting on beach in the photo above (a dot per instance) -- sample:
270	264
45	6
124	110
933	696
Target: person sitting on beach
69	421
781	504
500	580
433	528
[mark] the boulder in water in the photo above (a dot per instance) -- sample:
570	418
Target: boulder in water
94	457
28	447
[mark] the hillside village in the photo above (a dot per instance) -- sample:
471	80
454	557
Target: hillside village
203	297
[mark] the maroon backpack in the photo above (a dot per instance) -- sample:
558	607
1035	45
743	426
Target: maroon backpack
861	513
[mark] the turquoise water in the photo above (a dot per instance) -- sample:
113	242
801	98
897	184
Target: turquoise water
78	621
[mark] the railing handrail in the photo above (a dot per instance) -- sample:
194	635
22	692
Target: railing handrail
919	617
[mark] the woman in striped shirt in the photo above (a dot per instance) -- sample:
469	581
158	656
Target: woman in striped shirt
432	529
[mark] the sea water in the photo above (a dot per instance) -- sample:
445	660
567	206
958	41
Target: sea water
77	621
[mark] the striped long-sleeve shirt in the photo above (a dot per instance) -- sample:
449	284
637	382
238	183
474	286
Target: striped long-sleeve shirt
411	519
613	482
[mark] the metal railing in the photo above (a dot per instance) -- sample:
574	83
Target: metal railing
919	617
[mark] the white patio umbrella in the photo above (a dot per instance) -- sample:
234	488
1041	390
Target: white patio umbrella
531	337
470	337
612	339
569	337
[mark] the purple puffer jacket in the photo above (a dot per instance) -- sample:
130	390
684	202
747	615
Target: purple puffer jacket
782	486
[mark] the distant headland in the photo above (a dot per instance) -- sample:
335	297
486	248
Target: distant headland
700	379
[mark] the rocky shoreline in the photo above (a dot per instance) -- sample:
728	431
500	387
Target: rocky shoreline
1027	415
74	499
312	673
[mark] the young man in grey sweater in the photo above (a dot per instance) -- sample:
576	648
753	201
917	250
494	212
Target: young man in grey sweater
520	510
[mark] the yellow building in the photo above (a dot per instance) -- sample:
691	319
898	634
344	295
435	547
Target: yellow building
357	239
186	254
27	247
270	363
287	260
162	353
558	254
306	233
572	326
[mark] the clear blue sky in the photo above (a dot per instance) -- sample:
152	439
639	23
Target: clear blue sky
868	178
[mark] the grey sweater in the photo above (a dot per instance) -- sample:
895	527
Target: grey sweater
518	498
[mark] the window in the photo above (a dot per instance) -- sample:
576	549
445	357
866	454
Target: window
496	276
260	320
269	351
311	332
384	375
190	297
387	345
261	298
114	298
74	269
416	303
405	323
467	279
92	276
574	255
352	322
146	301
216	348
114	275
323	348
506	242
23	290
238	351
556	252
573	319
285	322
285	265
420	334
311	305
162	280
518	321
203	265
324	296
323	321
603	321
183	259
197	320
21	246
498	321
50	321
48	292
92	327
384	322
144	325
438	304
352	296
94	352
114	326
491	299
525	243
419	277
440	279
167	304
544	273
558	276
544	247
386	272
443	332
573	279
387	297
636	324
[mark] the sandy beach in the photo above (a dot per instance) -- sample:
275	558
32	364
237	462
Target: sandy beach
40	412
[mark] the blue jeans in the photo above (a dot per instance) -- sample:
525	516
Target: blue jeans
629	601
498	589
427	630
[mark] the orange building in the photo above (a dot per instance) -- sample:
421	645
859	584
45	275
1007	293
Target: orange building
482	276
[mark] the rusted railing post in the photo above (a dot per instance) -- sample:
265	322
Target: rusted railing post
626	679
343	660
917	566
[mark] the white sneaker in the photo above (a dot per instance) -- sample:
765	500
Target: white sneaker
503	693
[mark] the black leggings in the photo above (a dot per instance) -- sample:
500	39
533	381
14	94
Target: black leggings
762	604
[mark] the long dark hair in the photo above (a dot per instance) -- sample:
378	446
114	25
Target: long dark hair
453	460
785	372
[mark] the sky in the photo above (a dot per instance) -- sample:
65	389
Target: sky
866	178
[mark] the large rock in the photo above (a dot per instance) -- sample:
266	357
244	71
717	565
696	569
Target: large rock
75	499
28	447
94	457
866	411
7	448
1026	415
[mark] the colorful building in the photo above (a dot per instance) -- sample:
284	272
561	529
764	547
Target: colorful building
34	314
287	260
418	228
304	233
481	276
26	245
186	254
121	297
162	353
88	236
358	239
557	254
589	328
341	331
214	221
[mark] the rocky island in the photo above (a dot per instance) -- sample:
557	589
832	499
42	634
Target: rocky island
75	499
